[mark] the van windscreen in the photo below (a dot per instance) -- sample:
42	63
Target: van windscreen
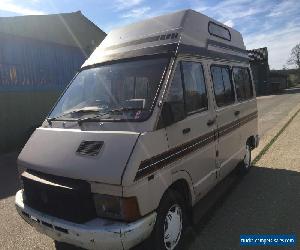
119	91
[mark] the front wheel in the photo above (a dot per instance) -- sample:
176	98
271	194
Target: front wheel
170	222
65	246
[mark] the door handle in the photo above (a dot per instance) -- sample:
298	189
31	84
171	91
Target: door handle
186	130
236	113
211	122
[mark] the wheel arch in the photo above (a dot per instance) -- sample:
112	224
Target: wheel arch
182	183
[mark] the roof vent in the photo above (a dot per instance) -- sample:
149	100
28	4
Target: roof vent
89	148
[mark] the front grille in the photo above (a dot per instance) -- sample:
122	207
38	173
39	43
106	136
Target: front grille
89	148
60	197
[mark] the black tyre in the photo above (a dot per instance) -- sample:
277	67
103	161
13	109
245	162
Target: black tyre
170	222
65	246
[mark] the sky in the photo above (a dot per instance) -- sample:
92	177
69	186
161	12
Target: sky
263	23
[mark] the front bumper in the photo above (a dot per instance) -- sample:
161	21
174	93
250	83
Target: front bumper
95	234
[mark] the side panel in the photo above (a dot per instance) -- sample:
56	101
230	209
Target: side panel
199	163
248	117
197	148
229	142
149	191
149	185
248	122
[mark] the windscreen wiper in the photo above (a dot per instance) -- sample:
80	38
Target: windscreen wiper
58	118
88	119
124	109
83	110
98	117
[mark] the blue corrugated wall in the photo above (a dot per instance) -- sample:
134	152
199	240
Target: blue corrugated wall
28	64
33	74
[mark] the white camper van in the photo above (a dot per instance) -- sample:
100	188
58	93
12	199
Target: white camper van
159	114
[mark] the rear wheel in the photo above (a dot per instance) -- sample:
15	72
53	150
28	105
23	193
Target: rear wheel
170	223
246	163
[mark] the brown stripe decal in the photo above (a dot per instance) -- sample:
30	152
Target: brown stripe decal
226	129
159	161
248	118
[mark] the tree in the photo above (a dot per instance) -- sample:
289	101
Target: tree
295	56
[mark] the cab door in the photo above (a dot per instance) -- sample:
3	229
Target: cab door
191	138
229	141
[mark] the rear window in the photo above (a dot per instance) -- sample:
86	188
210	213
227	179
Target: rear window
243	84
219	31
224	93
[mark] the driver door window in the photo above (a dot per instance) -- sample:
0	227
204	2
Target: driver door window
175	97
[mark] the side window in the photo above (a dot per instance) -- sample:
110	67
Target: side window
243	84
224	93
175	96
194	86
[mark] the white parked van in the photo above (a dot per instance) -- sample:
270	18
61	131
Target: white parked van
160	113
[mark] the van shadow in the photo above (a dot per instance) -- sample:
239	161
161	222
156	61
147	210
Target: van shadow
265	201
8	175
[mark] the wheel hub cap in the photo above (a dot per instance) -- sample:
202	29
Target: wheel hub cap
173	227
247	157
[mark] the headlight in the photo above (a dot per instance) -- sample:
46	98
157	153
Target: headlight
119	208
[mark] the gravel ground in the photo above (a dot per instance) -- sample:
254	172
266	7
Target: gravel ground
285	152
267	200
273	109
273	113
14	232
